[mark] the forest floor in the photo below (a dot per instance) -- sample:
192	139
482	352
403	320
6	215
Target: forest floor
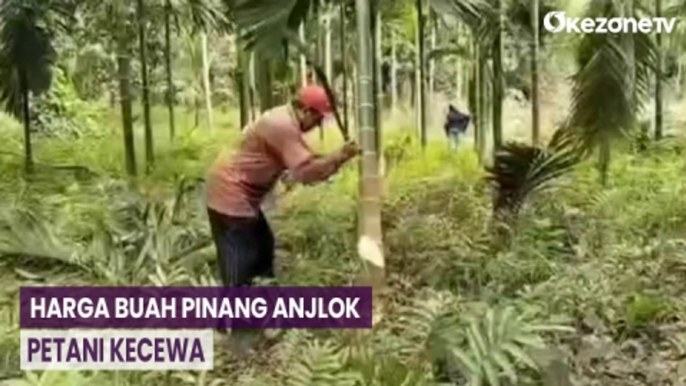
607	265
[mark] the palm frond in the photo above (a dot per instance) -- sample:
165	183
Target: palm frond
499	342
207	15
471	12
265	25
26	47
519	170
613	80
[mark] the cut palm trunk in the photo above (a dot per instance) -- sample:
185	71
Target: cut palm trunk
370	246
378	84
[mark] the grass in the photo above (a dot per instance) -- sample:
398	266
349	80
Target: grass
604	265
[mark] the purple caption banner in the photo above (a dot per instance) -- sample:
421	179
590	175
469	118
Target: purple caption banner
195	307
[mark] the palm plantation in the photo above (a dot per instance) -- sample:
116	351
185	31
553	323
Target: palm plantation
548	249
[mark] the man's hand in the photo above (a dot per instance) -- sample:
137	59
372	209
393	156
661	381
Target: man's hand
350	150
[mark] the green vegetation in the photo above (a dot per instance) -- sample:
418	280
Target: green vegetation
505	263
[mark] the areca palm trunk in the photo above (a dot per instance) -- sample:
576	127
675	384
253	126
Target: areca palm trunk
432	61
328	58
252	89
498	81
264	78
149	156
168	66
344	61
535	104
370	245
394	73
124	75
241	84
658	77
206	78
458	70
303	60
26	116
378	81
420	94
480	83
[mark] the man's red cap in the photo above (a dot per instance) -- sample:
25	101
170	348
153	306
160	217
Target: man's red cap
314	97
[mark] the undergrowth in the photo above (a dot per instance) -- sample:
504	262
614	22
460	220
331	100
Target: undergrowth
587	290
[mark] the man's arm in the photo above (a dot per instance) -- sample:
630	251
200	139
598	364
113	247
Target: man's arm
318	168
303	166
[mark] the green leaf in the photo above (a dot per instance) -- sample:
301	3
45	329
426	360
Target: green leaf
491	373
478	338
519	354
465	360
505	364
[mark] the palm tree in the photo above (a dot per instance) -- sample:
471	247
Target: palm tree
27	56
371	244
612	83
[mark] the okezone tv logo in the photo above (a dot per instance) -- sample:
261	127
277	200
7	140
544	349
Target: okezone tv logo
557	22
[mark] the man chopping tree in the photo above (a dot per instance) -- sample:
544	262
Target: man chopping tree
236	187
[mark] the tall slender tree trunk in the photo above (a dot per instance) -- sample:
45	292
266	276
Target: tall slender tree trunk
679	75
168	67
344	61
420	90
370	244
124	74
480	133
242	84
264	76
378	81
458	62
498	82
394	72
303	60
253	87
432	62
142	21
535	103
320	47
355	100
26	116
206	79
328	57
604	156
658	77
